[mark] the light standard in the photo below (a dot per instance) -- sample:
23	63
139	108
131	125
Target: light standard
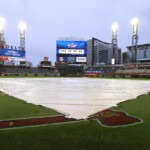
22	27
114	42
134	23
2	26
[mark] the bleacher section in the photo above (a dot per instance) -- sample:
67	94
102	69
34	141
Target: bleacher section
134	70
70	70
24	71
102	70
129	70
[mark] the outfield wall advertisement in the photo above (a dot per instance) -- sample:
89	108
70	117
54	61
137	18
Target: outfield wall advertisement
12	54
71	51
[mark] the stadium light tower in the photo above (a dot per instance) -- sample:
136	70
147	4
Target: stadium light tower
114	41
134	23
22	28
2	26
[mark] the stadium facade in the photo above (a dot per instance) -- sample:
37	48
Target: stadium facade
99	52
143	53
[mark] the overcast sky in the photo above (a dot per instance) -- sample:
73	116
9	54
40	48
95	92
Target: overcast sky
49	19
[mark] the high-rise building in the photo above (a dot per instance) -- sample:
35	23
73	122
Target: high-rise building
125	57
99	52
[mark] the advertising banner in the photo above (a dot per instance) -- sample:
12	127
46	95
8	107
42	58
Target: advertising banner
3	58
66	59
71	45
80	59
72	59
12	54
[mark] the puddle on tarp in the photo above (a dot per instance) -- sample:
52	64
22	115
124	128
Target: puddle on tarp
76	97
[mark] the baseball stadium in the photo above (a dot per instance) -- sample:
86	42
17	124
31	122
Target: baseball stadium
84	102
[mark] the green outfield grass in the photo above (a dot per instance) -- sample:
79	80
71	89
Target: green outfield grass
84	135
1	77
127	78
118	78
11	108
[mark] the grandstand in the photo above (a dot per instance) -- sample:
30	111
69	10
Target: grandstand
134	70
26	71
128	70
101	70
71	70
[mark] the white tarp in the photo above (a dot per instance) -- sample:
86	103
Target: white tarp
77	97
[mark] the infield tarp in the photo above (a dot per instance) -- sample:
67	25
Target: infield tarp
77	97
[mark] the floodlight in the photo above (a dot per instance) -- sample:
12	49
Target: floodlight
2	23
135	21
114	27
22	26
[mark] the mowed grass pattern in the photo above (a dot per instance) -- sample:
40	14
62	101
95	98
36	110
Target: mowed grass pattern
85	135
12	108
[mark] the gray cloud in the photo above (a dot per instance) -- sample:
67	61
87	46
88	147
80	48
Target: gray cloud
47	20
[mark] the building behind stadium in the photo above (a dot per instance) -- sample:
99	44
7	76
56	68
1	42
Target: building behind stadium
143	54
99	52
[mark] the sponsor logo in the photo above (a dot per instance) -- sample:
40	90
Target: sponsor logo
112	118
72	45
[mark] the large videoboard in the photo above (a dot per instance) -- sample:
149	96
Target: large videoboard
12	54
71	51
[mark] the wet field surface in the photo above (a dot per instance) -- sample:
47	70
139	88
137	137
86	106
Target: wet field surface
75	97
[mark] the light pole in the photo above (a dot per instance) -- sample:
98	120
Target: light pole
2	27
135	22
22	28
114	42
